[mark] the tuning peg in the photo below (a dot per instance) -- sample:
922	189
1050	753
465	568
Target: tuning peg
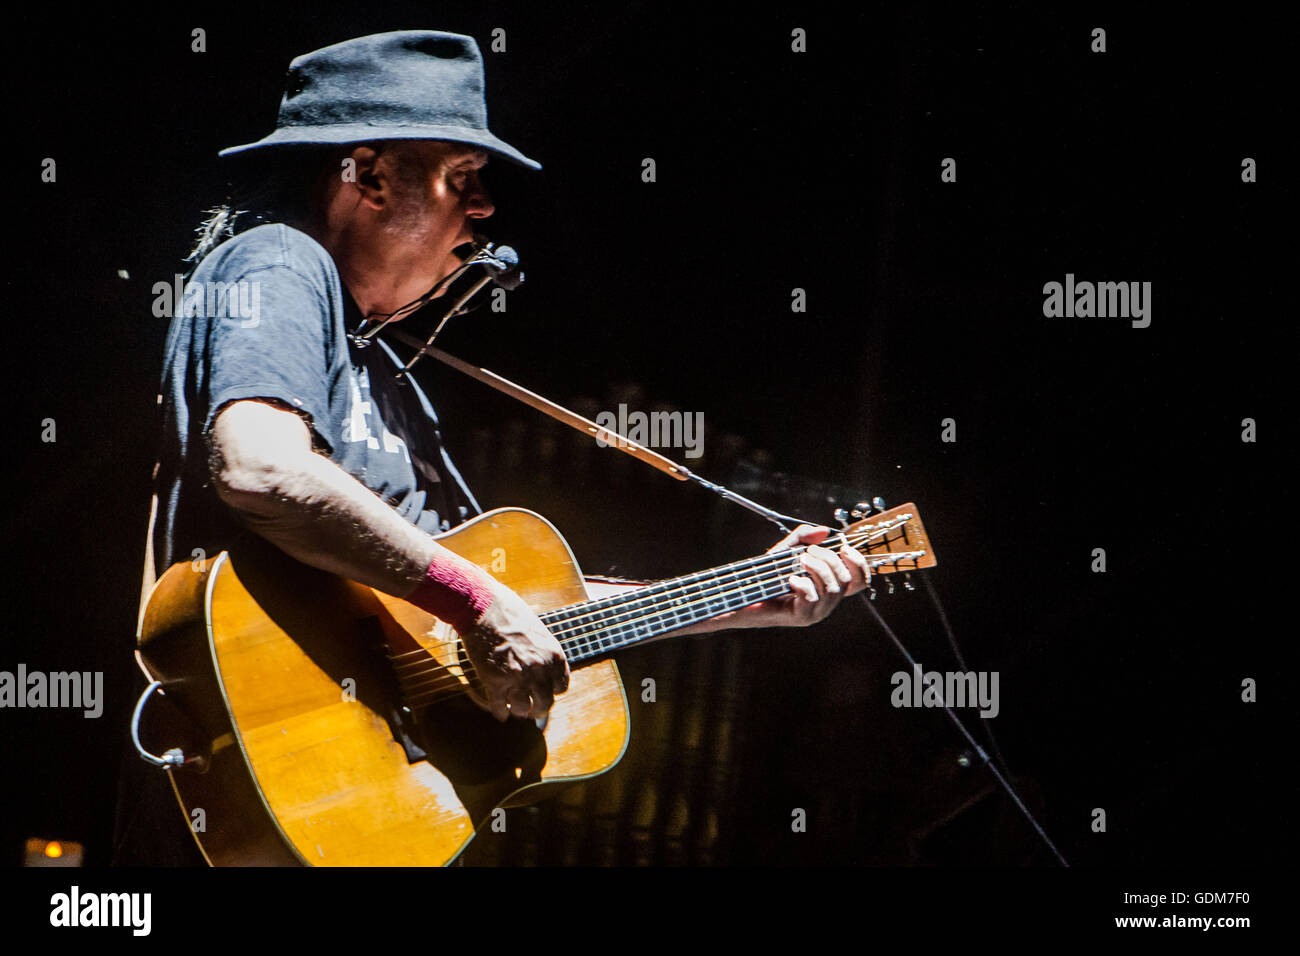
842	517
890	581
907	581
878	503
861	509
871	592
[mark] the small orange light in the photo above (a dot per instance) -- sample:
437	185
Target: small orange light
54	849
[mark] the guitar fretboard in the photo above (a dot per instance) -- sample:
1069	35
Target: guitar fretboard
595	628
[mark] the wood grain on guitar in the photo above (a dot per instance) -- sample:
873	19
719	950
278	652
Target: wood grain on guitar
338	725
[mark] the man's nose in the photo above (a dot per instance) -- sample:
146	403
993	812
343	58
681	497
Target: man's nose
479	203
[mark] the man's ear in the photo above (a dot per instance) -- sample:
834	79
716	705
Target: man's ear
365	172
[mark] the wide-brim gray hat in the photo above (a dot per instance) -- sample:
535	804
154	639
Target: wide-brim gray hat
411	84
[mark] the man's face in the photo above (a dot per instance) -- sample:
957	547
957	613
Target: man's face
437	193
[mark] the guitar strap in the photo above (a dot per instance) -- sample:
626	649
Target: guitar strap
592	430
546	407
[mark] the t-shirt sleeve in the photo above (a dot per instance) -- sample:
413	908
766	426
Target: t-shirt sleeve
276	344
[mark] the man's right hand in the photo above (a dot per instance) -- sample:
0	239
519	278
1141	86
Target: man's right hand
520	664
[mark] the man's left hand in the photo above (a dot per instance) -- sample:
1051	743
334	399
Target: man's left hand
830	577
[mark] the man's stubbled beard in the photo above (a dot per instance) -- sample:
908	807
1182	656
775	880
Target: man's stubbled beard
410	193
412	187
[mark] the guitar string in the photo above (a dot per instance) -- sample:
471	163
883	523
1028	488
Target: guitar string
449	681
568	622
453	683
429	692
577	635
582	639
569	618
581	643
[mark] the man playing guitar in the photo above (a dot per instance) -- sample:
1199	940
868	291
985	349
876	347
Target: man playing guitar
288	423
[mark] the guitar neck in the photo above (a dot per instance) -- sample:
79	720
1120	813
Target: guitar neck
594	629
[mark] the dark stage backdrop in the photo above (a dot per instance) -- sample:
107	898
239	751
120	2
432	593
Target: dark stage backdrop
916	364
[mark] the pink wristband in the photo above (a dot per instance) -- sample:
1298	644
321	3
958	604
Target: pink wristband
451	595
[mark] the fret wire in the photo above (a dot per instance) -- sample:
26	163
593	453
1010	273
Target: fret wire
580	635
618	637
687	593
582	626
623	636
577	635
660	610
585	609
578	640
638	601
615	638
753	590
697	609
594	608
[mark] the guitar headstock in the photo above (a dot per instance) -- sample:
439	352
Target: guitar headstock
892	541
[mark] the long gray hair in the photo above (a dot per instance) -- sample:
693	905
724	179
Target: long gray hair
279	187
284	185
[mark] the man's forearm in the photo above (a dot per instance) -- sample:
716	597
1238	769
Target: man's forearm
753	616
264	468
316	512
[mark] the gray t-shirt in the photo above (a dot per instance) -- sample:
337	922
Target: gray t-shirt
265	315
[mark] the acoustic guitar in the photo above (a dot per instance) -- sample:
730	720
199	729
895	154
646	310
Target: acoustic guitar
325	723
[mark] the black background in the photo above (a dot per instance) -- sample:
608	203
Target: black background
775	170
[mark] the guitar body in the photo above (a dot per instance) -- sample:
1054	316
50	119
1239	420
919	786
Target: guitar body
288	684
